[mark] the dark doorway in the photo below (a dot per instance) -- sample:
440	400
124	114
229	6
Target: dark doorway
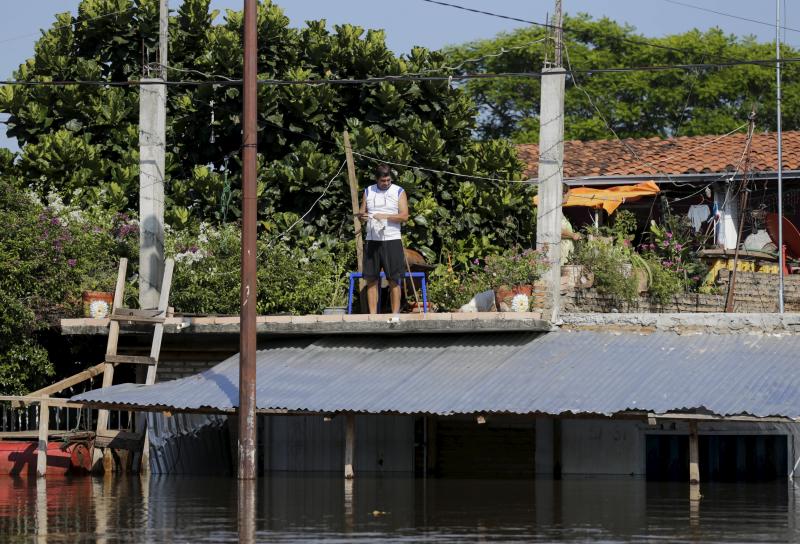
496	449
723	458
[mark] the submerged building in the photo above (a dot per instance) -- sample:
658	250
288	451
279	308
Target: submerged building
474	395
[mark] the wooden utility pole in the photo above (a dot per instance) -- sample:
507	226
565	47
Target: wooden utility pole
351	176
247	333
551	160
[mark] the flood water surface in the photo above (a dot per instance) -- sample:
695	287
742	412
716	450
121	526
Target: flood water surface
305	508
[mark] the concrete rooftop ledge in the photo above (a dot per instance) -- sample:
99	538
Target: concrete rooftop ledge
685	323
336	324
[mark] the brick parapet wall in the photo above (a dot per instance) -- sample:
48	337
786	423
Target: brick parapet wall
755	293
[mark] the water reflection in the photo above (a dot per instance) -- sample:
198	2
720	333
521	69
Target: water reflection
295	508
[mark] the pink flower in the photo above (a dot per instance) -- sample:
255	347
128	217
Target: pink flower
678	247
72	262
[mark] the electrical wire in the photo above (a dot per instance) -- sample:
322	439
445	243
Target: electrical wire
503	50
77	21
400	78
302	217
455	174
731	15
564	28
625	144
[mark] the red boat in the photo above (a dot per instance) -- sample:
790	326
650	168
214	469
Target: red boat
18	458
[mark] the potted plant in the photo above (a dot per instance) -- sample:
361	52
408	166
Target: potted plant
97	290
512	275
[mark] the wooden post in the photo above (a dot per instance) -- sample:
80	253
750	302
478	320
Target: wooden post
694	454
44	431
349	445
351	176
41	511
111	349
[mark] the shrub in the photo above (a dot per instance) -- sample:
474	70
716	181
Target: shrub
665	283
611	265
48	255
514	267
674	245
291	279
450	290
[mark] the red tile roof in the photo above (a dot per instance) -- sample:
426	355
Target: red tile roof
671	156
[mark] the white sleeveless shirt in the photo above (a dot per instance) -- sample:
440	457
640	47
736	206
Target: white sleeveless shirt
387	202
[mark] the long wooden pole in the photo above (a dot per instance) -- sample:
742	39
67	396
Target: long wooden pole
351	176
247	335
742	210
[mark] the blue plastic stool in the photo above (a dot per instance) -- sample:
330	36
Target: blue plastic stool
356	275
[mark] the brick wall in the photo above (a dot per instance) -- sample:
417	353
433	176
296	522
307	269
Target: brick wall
755	293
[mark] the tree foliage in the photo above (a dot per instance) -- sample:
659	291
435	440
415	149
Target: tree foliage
82	141
48	255
635	104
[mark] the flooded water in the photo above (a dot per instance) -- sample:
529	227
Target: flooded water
304	508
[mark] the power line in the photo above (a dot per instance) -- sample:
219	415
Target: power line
498	53
302	217
489	13
565	29
78	20
402	78
731	15
455	174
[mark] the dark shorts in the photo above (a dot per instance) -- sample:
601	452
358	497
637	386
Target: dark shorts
386	255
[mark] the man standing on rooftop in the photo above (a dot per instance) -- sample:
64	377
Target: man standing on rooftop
384	207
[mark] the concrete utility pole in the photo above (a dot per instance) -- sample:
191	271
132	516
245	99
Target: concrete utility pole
551	160
152	142
247	334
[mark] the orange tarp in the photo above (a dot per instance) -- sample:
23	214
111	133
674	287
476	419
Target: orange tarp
608	199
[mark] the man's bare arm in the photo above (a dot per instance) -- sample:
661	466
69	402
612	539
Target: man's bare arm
402	211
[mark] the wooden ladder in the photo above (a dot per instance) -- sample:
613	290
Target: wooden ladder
137	442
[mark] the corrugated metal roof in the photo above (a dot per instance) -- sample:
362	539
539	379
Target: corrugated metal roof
555	373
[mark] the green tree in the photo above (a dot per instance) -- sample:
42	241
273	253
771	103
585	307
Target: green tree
635	104
81	140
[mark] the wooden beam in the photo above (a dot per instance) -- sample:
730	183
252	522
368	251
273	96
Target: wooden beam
59	386
349	445
111	349
694	454
135	312
118	440
25	400
137	319
30	435
44	429
353	182
130	359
